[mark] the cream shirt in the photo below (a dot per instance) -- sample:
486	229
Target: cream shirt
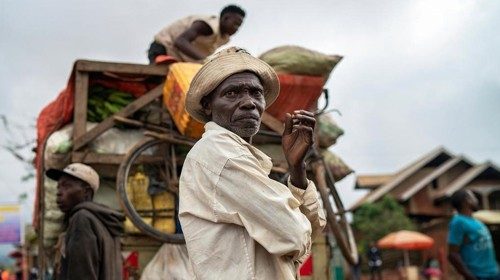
239	223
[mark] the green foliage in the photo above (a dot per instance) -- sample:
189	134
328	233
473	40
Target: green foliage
375	220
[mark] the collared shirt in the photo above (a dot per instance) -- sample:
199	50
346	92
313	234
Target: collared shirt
239	223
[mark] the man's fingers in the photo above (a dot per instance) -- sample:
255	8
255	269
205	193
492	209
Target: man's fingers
288	124
304	112
303	128
304	119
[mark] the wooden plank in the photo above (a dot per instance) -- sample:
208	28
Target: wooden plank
80	112
273	123
133	107
95	158
123	68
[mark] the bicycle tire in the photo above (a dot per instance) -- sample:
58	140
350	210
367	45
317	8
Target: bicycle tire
130	211
341	229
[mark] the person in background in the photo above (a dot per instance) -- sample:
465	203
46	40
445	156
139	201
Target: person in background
470	247
374	262
194	38
432	269
90	248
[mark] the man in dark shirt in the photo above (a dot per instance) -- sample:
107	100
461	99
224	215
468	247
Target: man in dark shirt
91	247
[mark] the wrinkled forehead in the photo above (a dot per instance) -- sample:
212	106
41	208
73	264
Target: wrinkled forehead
241	78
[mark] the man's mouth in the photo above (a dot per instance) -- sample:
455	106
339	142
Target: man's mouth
248	117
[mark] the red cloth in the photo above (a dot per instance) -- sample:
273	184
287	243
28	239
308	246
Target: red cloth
306	269
296	92
60	112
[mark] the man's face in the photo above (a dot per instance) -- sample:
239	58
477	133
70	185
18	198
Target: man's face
237	104
70	192
230	23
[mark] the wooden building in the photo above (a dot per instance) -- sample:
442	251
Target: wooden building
424	187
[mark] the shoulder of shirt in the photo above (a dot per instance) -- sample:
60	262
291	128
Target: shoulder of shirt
216	148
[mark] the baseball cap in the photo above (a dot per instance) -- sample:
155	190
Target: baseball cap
77	170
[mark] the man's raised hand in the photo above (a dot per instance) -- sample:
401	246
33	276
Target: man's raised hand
298	138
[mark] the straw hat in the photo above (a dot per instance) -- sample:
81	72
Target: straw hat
219	67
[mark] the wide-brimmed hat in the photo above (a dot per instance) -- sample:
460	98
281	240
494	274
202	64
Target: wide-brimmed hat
77	170
219	67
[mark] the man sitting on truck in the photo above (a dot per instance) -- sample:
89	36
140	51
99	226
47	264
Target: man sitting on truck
91	247
193	38
238	223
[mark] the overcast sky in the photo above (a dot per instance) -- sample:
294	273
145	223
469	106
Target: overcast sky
416	74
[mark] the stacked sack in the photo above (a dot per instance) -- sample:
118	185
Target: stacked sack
328	133
297	60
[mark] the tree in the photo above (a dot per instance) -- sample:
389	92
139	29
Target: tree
373	221
18	140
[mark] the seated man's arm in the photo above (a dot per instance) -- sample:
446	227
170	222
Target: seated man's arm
183	42
82	251
246	196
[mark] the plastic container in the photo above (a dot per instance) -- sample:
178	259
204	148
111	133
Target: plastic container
174	97
296	92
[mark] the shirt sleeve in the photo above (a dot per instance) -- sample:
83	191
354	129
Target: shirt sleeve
246	196
310	206
455	233
82	251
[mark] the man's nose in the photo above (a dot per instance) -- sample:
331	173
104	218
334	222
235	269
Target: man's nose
247	102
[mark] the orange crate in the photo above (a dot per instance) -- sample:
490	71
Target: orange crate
296	92
174	97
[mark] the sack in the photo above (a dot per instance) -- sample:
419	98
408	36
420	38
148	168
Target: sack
300	61
336	165
171	262
328	131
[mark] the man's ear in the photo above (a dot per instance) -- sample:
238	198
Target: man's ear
89	193
206	105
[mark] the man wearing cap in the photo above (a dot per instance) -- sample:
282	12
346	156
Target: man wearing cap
91	247
238	223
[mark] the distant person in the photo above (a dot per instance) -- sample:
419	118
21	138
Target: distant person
91	247
470	247
374	262
194	38
432	270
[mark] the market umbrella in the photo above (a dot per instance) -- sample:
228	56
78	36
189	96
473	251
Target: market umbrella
406	240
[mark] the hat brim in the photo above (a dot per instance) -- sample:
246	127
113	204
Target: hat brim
214	72
56	174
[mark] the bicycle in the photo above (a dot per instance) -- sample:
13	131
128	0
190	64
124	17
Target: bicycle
170	147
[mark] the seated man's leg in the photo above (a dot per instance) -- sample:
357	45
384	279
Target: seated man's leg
155	49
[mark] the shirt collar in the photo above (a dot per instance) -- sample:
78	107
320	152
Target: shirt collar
264	160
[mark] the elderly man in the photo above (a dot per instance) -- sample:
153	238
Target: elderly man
193	38
91	247
238	223
470	247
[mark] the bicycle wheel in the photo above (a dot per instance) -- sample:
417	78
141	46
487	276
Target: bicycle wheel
335	215
156	159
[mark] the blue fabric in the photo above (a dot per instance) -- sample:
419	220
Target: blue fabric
476	245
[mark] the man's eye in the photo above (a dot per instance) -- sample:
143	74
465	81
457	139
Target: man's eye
230	94
258	93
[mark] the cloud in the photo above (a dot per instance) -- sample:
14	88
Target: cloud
416	74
